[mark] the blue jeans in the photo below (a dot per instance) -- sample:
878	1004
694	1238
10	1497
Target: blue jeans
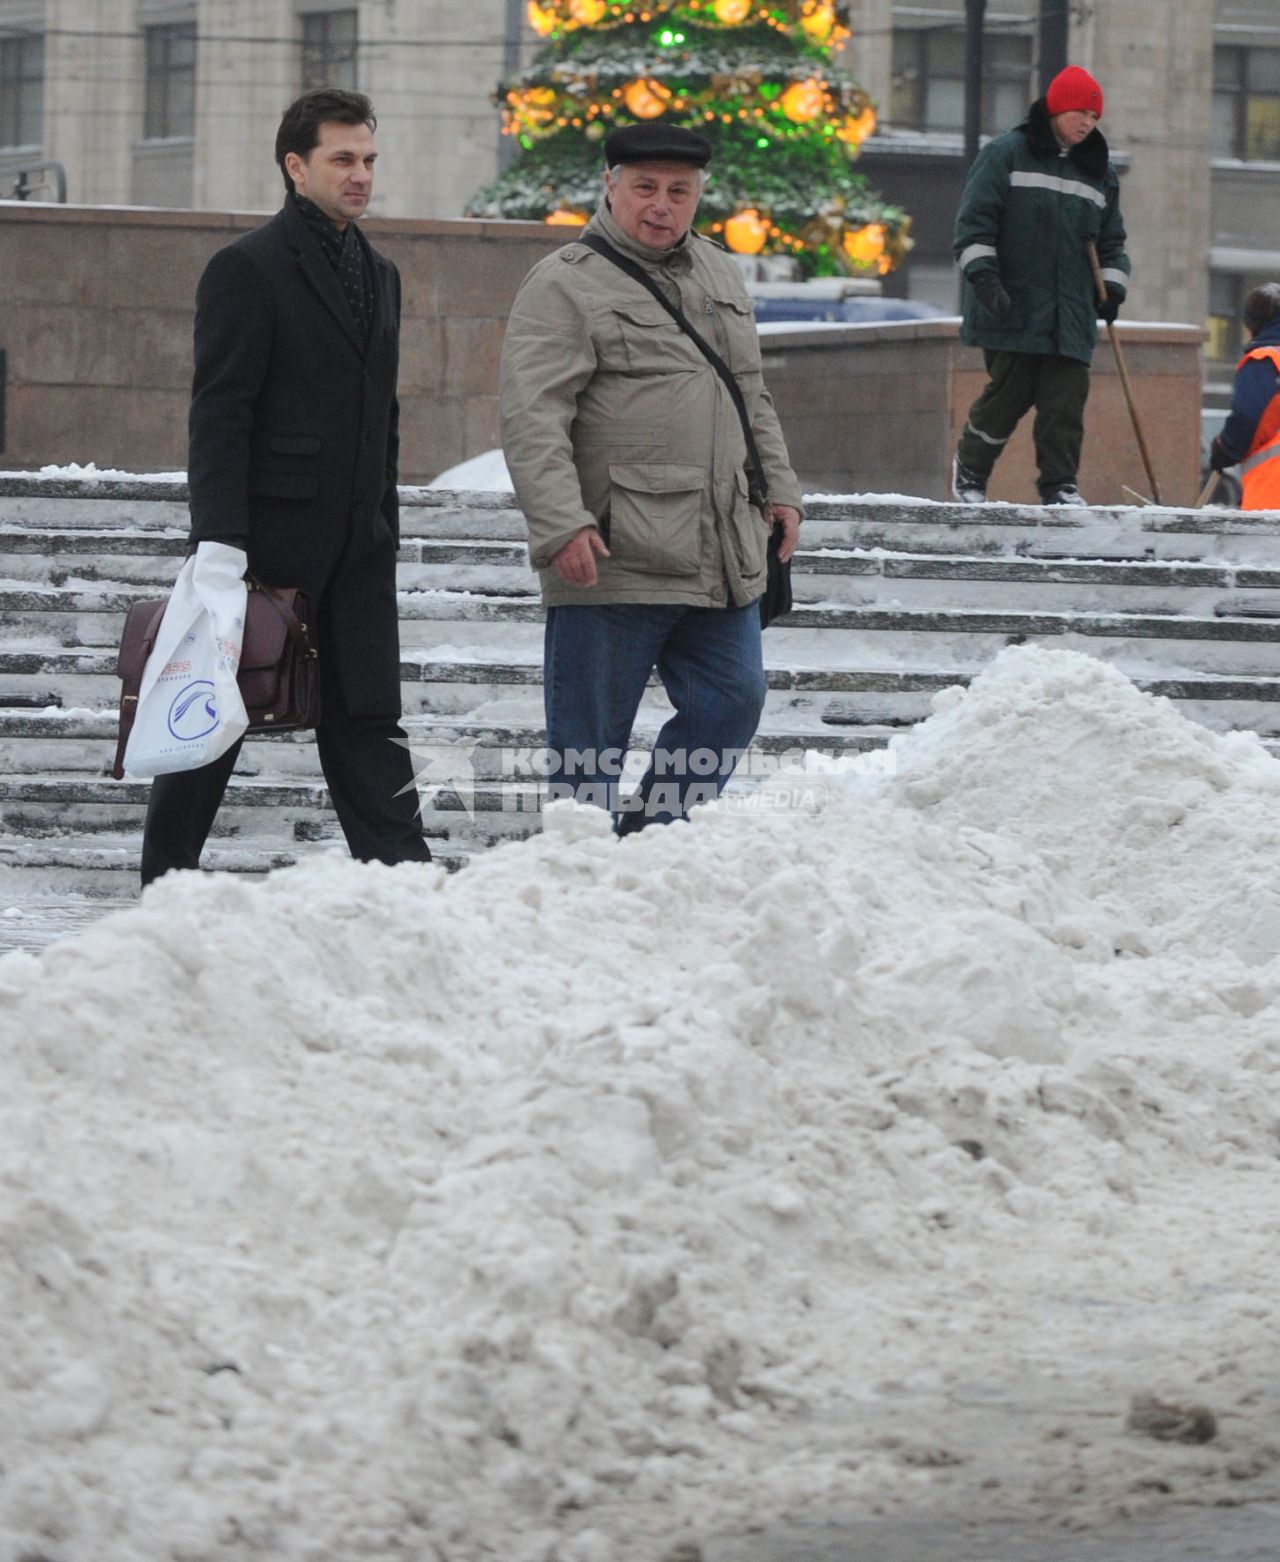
598	661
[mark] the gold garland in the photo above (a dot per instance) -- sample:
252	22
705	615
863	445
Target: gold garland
538	111
815	20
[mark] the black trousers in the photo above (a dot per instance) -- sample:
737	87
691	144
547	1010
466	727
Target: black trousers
364	768
1056	387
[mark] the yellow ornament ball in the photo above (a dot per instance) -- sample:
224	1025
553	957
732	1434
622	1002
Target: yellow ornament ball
646	99
818	20
865	246
802	101
746	231
541	21
731	12
536	107
586	12
857	127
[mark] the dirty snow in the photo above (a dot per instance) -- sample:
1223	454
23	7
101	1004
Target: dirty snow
872	1141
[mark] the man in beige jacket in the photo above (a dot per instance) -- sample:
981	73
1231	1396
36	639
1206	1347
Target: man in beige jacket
628	460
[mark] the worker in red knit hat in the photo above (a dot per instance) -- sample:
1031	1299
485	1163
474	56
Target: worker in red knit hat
1034	198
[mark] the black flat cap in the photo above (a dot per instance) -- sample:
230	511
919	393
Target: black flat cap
656	143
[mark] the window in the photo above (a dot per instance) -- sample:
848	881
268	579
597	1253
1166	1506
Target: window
329	49
928	80
1223	326
171	82
1246	104
21	90
1227	335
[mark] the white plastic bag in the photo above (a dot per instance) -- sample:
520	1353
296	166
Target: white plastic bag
189	706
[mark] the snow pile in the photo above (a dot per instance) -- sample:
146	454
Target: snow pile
876	1150
90	472
485	472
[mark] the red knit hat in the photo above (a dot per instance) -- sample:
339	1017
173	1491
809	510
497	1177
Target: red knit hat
1073	88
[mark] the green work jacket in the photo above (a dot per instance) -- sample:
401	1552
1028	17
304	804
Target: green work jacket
1027	212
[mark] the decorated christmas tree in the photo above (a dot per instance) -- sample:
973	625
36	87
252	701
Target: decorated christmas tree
758	78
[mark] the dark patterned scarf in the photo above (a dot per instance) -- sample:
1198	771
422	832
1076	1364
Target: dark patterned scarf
348	253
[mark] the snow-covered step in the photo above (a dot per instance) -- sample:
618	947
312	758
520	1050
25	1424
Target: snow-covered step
44	919
38	587
140	505
939	581
1220	623
863	522
60	743
269	815
36	682
895	601
53	804
67	679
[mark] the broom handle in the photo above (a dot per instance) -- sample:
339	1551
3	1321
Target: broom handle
1101	286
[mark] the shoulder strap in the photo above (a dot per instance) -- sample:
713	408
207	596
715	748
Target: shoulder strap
755	469
296	630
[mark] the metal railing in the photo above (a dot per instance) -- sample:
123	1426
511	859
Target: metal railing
22	185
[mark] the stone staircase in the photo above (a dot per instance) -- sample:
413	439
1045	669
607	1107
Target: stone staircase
895	600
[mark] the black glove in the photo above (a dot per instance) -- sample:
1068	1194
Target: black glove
1109	307
989	291
1219	459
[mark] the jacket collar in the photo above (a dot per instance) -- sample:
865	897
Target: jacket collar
1268	336
677	258
1091	156
318	272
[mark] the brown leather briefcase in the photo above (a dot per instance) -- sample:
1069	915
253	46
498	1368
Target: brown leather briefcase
279	675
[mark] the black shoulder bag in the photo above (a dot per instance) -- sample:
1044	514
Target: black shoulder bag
777	592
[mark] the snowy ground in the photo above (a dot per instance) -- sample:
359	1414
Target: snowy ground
866	1146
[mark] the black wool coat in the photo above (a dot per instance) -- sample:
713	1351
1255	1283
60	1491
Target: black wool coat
294	442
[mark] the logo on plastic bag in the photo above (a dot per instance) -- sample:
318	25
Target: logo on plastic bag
193	712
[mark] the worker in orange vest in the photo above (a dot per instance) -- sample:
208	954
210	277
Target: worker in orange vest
1251	435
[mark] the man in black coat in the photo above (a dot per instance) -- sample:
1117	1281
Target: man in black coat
292	458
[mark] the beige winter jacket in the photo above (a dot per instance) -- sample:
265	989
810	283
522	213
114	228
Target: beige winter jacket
612	417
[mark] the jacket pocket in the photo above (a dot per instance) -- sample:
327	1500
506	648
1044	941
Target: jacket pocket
275	484
655	511
736	318
646	340
294	444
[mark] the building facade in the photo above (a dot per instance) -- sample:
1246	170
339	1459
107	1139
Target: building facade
1192	116
175	103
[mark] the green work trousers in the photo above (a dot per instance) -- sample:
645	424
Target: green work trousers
1056	387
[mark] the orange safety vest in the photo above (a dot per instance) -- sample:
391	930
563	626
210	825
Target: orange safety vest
1260	468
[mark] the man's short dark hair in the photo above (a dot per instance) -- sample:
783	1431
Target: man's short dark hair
300	128
1262	306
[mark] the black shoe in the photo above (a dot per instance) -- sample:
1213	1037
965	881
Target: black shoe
1066	494
967	486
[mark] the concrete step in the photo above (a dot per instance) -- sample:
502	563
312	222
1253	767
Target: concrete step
107	867
66	744
67	546
28	671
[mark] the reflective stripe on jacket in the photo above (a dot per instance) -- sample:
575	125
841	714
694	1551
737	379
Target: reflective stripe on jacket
1260	468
